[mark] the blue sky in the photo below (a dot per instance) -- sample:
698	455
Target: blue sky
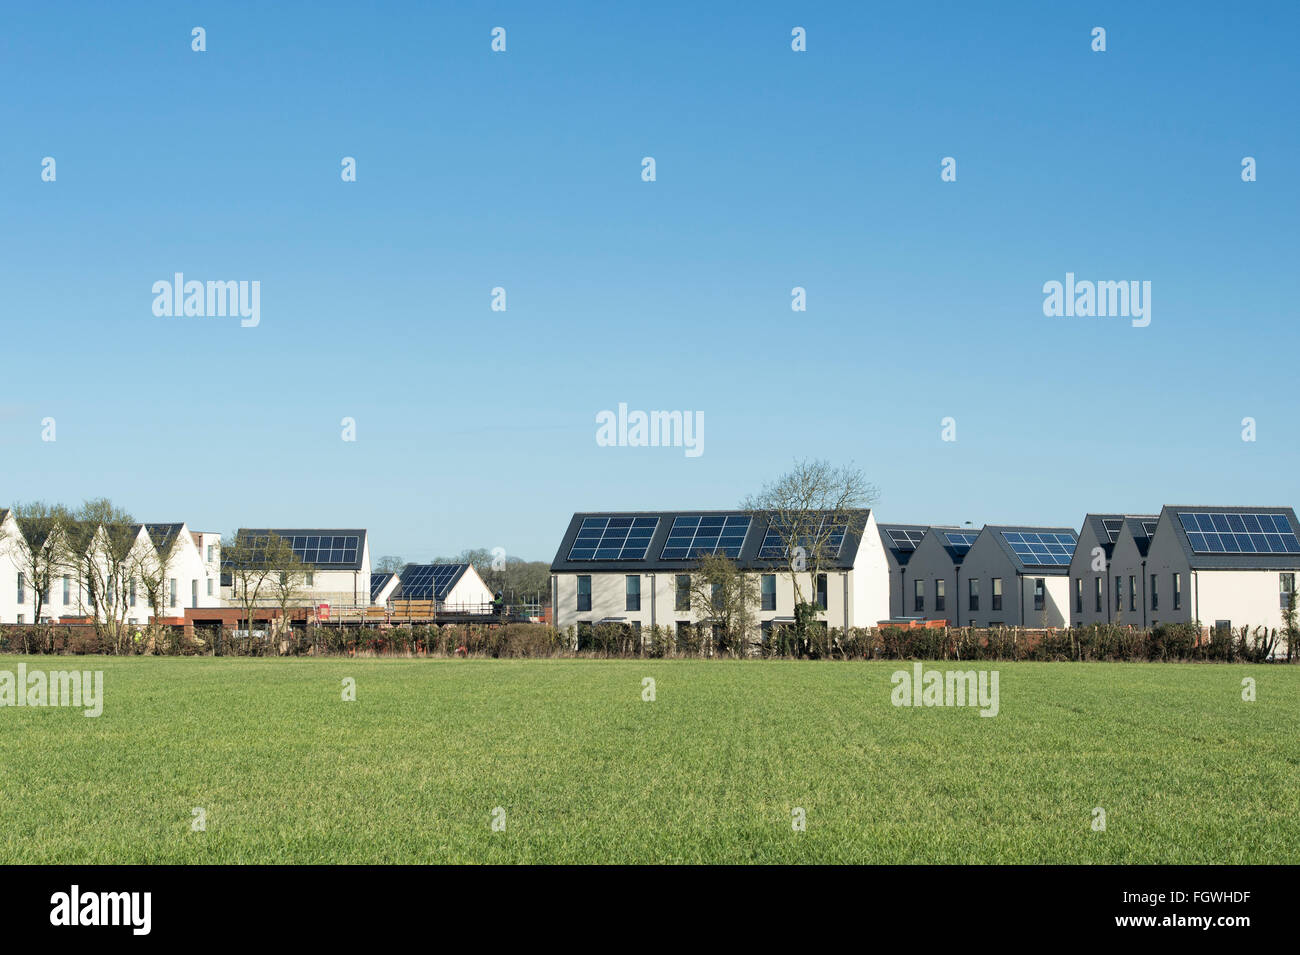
522	170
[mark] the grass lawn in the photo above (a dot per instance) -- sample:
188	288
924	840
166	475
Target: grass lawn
711	771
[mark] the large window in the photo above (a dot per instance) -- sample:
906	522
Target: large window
973	591
584	591
1132	592
67	590
171	601
940	598
1078	595
821	592
1155	594
683	599
996	592
22	597
1040	593
1096	581
633	591
716	594
1286	587
1178	591
918	596
769	591
1119	592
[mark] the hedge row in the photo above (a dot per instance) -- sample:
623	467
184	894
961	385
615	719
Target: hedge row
1173	642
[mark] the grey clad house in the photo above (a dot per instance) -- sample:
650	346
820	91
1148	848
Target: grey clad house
933	573
1096	589
1221	565
1017	576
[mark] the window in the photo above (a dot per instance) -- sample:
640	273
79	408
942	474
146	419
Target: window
1286	587
171	602
996	592
67	590
211	548
1119	592
918	596
717	596
1178	591
821	592
1040	593
683	601
940	601
194	593
973	589
1132	592
769	591
209	586
1097	587
1155	594
21	596
311	579
1078	595
584	591
131	591
633	591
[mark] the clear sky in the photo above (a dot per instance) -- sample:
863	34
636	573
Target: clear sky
522	170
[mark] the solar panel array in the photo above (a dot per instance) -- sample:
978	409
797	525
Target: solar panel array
709	533
1112	529
377	583
318	549
1043	548
905	539
612	538
960	541
428	581
1149	528
774	541
1239	533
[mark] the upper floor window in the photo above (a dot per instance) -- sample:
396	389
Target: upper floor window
997	593
940	598
1040	593
821	592
683	601
918	595
633	591
769	591
584	591
973	591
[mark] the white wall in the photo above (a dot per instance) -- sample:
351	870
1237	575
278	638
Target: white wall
470	593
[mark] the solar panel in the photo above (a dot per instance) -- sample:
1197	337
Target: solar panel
905	540
1239	533
1112	529
1043	548
1149	528
960	541
774	541
318	549
428	581
707	533
613	538
377	583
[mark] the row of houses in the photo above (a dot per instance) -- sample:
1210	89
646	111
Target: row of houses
1221	566
183	569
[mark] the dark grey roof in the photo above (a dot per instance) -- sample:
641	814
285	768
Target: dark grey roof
901	557
161	535
748	560
1098	524
1140	536
318	555
1229	561
378	582
1037	570
954	555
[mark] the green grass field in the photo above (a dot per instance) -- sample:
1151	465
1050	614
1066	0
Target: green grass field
711	771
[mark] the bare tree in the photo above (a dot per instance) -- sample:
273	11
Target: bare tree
810	509
39	549
101	538
287	585
151	566
389	564
727	598
244	559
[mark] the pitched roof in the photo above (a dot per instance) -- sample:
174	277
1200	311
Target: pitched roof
747	559
161	535
430	581
323	548
999	531
379	581
1137	526
893	536
1239	560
